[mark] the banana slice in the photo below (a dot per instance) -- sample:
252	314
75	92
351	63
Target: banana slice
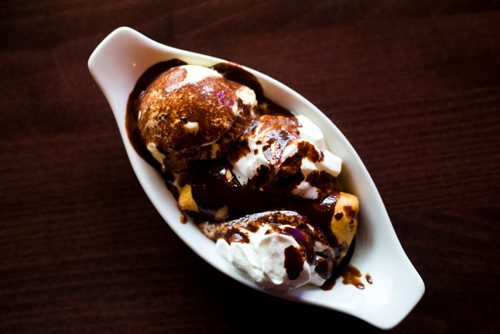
186	201
344	221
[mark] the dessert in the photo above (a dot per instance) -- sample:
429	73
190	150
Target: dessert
256	179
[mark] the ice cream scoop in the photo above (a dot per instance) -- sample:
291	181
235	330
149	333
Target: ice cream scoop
287	155
277	249
189	113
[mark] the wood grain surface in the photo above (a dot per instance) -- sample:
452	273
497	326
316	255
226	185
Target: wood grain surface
414	85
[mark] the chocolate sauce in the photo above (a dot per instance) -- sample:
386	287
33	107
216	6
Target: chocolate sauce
293	262
338	270
351	275
235	72
323	266
304	239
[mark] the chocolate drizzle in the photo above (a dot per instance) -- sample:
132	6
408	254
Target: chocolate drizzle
351	275
294	262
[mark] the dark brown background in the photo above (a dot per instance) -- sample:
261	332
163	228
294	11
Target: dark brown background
414	85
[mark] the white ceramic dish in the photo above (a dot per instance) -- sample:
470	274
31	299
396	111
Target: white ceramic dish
116	64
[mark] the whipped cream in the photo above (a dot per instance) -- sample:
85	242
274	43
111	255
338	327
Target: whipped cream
278	256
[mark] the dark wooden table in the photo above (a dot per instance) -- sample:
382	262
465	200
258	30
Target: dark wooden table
414	85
